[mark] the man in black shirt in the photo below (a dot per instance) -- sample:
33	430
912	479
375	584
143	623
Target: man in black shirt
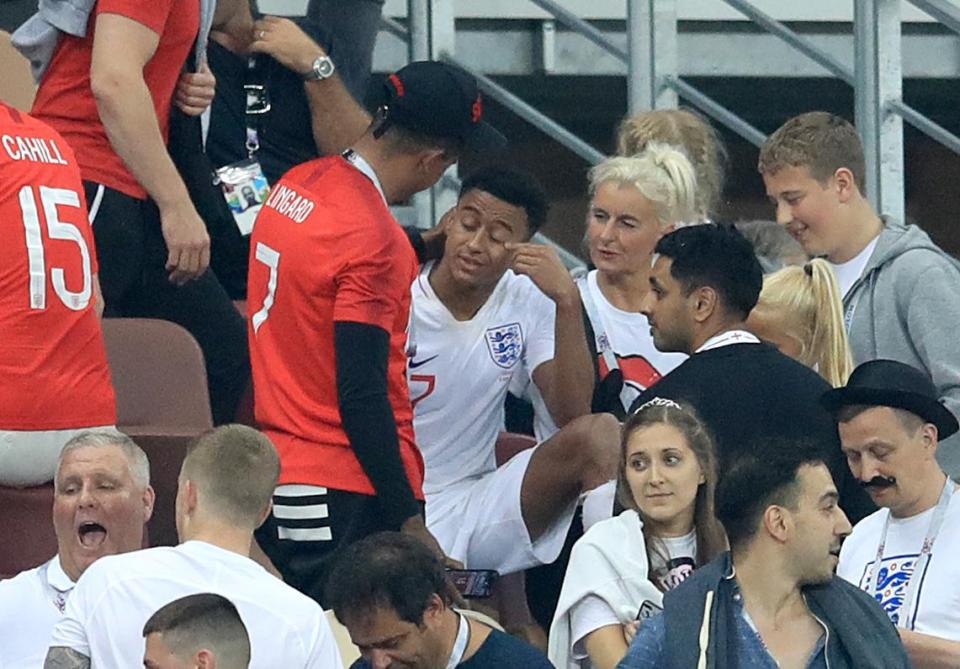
280	101
704	282
393	595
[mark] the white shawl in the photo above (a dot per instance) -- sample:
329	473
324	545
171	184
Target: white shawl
609	561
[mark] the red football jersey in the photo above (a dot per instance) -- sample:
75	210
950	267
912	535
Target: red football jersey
325	248
53	365
64	99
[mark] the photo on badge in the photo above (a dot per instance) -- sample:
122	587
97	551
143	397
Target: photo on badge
245	189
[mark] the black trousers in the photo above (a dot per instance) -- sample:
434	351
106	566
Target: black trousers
132	256
305	546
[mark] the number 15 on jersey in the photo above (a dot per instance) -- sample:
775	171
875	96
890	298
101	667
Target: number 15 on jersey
50	200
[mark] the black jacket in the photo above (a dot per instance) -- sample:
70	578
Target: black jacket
750	394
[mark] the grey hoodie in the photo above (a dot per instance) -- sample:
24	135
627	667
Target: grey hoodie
906	306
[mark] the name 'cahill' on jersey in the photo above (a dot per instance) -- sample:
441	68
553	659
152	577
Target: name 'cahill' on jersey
461	371
53	363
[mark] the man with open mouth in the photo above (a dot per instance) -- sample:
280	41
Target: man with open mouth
223	493
102	500
905	554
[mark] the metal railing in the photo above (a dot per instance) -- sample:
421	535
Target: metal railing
654	81
877	82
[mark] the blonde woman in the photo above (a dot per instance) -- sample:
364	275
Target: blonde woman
801	313
634	201
687	129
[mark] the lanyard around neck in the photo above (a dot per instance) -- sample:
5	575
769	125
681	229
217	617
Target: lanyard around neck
727	338
936	522
460	645
366	169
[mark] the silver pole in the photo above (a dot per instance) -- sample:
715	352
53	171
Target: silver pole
418	26
418	22
878	83
652	42
640	67
639	46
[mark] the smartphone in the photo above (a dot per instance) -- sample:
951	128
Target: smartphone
648	610
473	583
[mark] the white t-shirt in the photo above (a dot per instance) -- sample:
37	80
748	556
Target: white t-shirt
848	272
937	601
593	612
31	604
116	595
681	560
461	371
628	334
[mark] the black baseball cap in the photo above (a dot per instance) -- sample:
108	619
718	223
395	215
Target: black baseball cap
438	100
888	383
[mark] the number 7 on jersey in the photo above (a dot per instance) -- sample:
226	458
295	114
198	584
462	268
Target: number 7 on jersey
270	258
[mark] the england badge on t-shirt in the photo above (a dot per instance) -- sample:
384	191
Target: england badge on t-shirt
893	578
505	343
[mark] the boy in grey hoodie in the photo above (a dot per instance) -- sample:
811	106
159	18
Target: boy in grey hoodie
901	292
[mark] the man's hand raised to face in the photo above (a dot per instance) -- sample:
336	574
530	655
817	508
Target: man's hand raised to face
543	265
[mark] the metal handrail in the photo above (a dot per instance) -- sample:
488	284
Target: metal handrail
925	125
577	24
394	27
943	11
530	114
798	42
715	110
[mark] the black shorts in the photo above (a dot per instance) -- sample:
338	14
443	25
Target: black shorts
304	534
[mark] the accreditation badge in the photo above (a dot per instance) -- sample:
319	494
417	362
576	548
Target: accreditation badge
245	189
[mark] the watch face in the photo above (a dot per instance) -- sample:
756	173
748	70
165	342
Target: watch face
323	67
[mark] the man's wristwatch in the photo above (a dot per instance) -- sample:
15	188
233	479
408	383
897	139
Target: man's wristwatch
322	69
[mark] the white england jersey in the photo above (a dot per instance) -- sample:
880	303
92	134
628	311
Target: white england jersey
460	373
31	604
117	594
936	603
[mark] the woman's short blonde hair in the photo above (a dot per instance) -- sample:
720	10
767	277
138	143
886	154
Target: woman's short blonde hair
662	173
686	128
805	303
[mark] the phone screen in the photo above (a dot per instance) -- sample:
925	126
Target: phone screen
473	583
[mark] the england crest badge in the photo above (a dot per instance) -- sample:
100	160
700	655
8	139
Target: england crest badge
505	344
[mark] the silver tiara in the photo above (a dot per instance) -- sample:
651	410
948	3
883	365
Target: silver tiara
659	402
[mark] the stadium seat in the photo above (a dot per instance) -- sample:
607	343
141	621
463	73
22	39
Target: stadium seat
159	376
26	519
511	443
165	453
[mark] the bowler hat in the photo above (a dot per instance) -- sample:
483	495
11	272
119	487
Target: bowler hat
888	383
